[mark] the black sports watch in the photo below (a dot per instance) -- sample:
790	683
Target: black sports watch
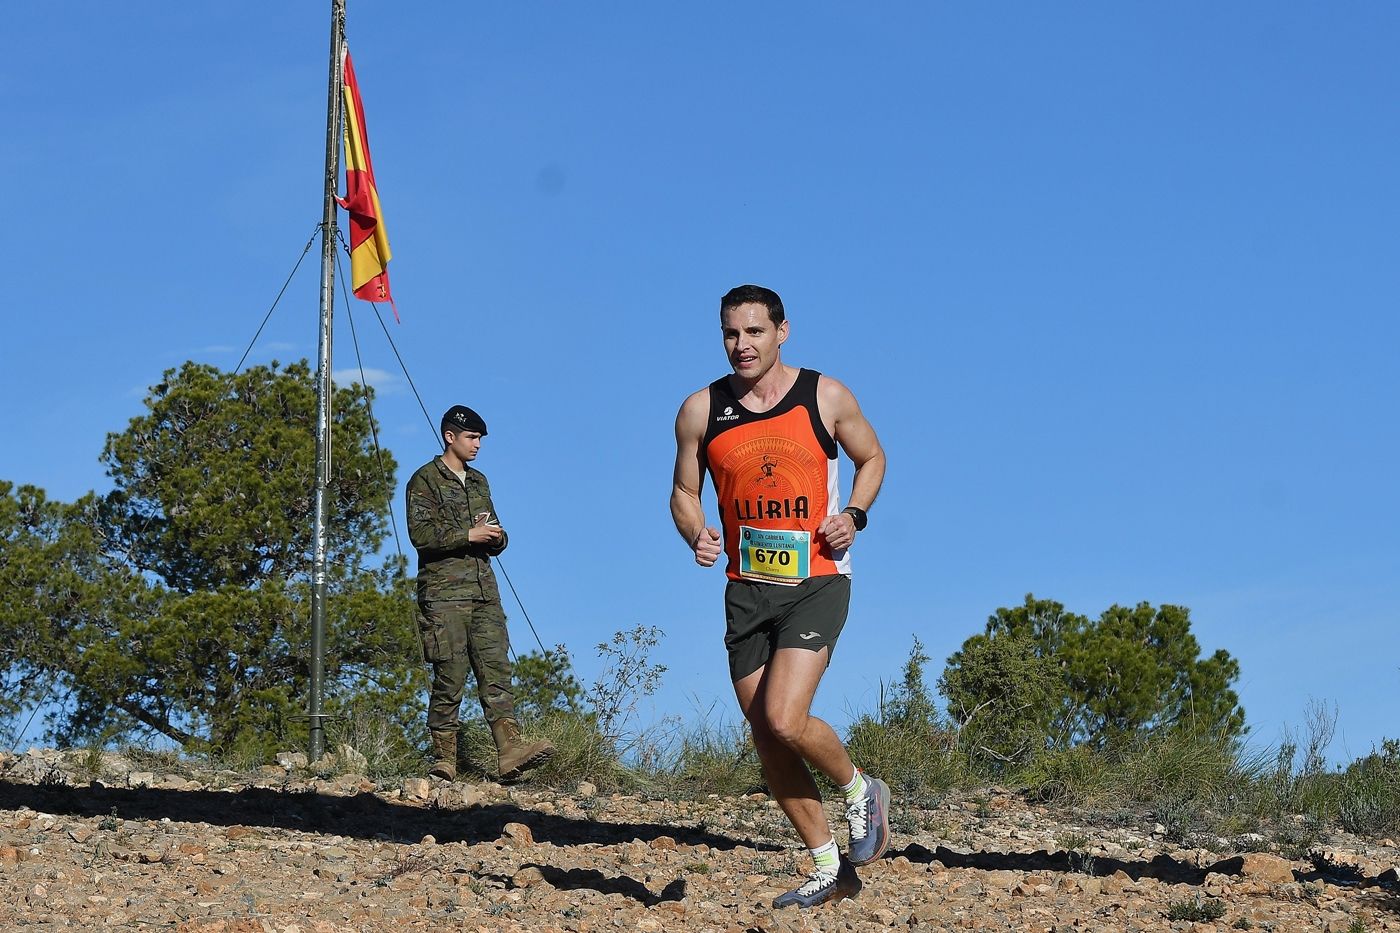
857	514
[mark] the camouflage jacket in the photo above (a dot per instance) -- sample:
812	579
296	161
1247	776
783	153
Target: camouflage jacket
440	513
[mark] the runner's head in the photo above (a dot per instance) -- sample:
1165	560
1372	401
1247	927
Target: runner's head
754	326
753	294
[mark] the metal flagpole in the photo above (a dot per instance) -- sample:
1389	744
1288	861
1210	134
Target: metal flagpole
323	385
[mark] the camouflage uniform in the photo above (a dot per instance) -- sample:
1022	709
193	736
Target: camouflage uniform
460	620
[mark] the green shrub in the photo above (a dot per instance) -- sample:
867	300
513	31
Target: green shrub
1369	792
390	753
1179	764
1196	910
712	760
906	744
910	758
1003	696
1077	776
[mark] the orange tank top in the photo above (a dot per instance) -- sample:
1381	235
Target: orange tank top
775	479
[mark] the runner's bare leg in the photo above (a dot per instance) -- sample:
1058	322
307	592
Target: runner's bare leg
776	699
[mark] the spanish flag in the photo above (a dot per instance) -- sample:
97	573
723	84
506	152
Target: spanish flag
369	242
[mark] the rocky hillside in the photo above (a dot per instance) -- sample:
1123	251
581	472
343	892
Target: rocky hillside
90	841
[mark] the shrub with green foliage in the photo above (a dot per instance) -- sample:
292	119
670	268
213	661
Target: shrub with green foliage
1133	671
713	758
177	604
1073	777
1002	695
906	743
545	683
1196	910
1369	792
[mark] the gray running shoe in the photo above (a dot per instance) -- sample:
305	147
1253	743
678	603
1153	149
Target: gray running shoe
820	888
870	823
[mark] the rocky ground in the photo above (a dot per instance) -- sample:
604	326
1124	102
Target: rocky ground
95	842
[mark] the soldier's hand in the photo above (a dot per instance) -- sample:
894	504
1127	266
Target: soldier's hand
483	532
706	546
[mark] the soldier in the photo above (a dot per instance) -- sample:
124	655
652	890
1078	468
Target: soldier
452	522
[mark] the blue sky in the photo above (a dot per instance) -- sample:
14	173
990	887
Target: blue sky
1114	282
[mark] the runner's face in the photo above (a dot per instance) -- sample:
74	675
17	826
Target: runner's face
751	340
465	445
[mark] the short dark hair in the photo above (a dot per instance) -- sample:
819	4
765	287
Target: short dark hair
753	294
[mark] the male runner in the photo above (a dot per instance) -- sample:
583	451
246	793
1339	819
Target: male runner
768	435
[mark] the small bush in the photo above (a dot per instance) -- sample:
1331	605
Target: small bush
246	752
1077	776
906	756
1070	841
581	753
1196	910
713	760
1369	792
906	744
628	675
388	752
147	758
1179	764
88	765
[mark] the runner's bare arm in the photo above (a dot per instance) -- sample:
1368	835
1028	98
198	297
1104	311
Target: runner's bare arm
857	438
686	509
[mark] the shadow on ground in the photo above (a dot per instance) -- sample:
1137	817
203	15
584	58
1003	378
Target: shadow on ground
362	816
1163	867
575	879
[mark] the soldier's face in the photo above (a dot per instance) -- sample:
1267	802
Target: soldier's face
465	444
751	339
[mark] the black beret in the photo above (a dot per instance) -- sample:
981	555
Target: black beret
462	418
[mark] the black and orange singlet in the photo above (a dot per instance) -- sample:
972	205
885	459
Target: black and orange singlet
775	479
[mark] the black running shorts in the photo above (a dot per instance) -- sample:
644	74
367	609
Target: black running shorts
760	618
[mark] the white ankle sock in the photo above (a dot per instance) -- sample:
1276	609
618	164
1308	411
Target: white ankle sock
827	858
856	789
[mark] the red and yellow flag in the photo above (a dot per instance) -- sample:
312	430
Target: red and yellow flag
369	241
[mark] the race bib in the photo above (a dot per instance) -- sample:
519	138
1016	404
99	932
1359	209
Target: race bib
774	556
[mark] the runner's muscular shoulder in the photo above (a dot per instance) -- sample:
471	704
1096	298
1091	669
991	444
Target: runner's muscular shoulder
690	420
834	402
690	433
841	414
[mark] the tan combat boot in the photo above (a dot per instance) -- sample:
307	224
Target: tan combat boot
516	756
445	755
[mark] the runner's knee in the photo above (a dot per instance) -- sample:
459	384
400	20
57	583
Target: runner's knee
788	727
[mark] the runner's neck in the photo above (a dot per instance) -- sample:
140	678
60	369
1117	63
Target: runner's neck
770	389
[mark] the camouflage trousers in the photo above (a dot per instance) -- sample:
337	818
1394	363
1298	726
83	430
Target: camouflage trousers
460	636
